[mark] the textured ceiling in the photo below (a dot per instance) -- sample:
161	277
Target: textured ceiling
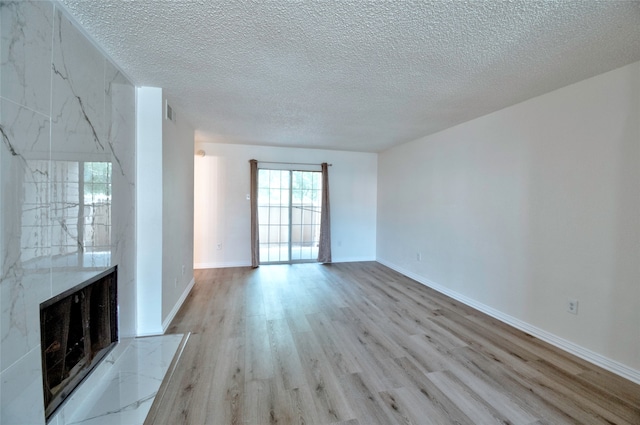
355	75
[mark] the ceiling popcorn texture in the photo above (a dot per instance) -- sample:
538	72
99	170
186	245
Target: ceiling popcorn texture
355	75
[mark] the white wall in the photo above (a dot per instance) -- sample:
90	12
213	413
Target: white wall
521	209
222	210
165	212
177	214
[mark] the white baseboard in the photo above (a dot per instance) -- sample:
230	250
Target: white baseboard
352	259
248	264
568	346
149	332
167	321
221	265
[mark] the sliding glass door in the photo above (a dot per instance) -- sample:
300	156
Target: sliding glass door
289	215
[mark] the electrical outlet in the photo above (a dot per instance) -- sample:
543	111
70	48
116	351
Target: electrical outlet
219	246
419	256
572	306
183	270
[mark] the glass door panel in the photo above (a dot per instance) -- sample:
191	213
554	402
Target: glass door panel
273	215
289	215
305	217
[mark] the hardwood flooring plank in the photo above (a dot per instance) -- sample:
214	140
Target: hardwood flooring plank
258	357
583	412
336	349
297	320
547	389
537	347
361	344
487	336
254	296
506	382
370	333
226	394
328	396
469	402
266	402
349	422
396	409
175	407
483	345
620	387
425	356
371	354
285	355
411	401
439	404
303	405
492	392
602	403
368	406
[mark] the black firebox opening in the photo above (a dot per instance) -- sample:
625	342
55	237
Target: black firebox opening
77	329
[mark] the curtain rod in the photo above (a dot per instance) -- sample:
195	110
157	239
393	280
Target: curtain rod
290	163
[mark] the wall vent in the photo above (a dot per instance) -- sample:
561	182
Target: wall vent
170	113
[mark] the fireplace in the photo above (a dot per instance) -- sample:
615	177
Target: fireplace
77	329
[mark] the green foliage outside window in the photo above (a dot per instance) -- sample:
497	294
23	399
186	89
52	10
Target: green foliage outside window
97	181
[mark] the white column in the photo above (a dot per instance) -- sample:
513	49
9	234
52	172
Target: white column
149	210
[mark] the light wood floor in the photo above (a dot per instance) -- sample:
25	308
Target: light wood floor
357	343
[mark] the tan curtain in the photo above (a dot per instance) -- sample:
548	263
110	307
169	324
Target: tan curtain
324	249
255	238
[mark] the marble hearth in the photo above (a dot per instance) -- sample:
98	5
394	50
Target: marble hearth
122	389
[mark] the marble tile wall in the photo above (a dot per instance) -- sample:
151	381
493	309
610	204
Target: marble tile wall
67	123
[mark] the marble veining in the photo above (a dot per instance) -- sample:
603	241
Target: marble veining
122	393
24	229
78	90
7	142
26	31
67	185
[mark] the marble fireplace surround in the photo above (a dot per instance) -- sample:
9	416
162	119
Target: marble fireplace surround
78	329
64	107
